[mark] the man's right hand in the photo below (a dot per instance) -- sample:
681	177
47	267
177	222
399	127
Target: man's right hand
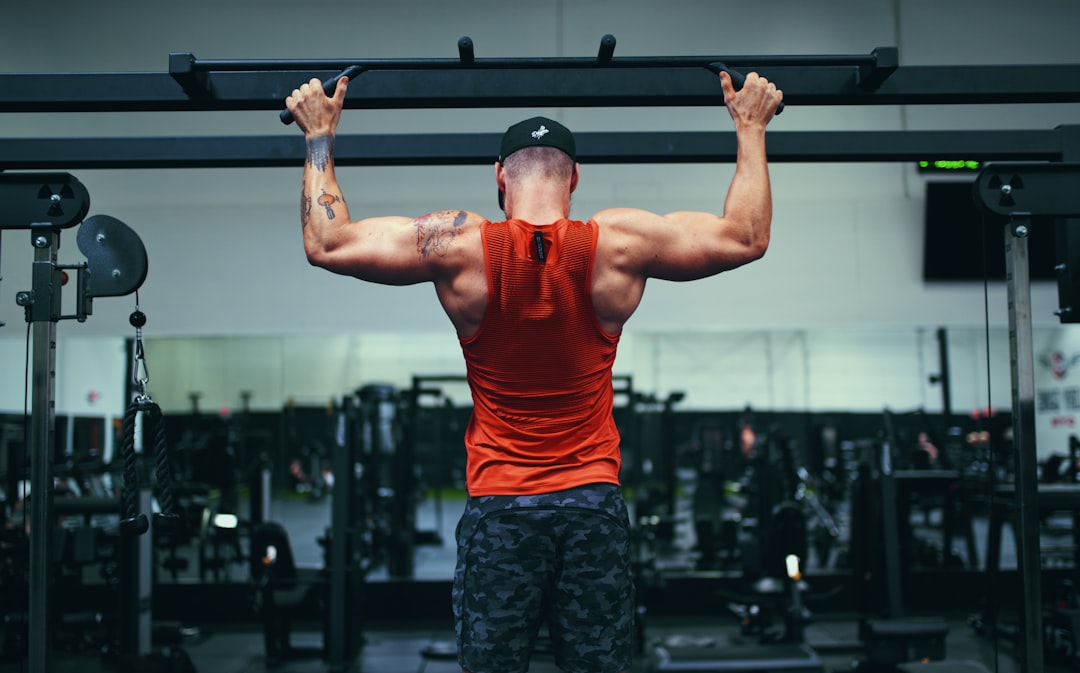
754	103
316	113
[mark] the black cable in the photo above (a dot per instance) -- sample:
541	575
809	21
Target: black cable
26	414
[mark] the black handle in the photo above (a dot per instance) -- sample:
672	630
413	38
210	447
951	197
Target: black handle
737	79
328	88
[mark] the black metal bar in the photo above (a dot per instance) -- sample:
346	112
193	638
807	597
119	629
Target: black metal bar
182	68
340	577
1022	362
890	521
886	61
481	149
607	47
587	86
46	299
1067	243
945	379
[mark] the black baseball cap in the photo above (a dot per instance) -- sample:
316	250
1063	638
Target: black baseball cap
538	131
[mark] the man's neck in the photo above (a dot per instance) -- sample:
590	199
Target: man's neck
538	206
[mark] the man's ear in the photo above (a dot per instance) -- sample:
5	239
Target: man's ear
500	182
574	177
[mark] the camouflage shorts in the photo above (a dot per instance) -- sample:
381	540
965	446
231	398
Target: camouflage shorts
561	559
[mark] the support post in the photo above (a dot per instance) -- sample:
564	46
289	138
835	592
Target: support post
42	305
1022	362
340	621
945	378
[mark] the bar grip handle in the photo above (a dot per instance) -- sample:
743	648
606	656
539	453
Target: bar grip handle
328	87
737	79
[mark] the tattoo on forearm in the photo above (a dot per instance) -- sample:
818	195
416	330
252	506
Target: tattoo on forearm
305	210
327	201
320	151
436	231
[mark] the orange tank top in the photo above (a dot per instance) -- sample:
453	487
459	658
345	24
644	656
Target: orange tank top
539	367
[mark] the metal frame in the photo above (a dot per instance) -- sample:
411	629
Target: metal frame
450	149
45	204
1024	191
874	79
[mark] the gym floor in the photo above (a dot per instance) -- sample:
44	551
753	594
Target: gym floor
427	647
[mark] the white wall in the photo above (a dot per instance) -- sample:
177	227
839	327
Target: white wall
224	245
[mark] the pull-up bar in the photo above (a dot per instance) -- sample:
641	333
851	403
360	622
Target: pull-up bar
191	84
871	69
882	57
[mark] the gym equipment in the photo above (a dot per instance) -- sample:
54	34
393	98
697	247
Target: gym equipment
888	638
712	655
46	203
647	432
433	434
134	647
1026	192
774	546
716	522
356	541
280	587
468	82
488	83
1060	613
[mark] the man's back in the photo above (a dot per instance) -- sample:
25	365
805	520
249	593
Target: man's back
540	365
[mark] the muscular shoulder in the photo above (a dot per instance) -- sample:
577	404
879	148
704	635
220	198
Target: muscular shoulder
625	220
625	229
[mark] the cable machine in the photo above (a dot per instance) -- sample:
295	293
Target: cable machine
1029	194
45	204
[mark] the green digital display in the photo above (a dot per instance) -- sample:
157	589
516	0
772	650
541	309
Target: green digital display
949	166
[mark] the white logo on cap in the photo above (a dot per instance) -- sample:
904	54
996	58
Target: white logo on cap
540	132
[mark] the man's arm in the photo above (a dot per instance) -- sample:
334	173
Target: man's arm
389	250
687	245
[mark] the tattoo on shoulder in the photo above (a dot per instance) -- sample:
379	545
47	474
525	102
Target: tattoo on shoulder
320	151
436	231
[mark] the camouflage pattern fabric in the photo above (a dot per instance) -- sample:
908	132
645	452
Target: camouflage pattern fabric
560	559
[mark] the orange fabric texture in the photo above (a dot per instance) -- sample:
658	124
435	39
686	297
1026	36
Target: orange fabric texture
540	366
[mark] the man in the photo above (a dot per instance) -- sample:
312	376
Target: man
539	302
